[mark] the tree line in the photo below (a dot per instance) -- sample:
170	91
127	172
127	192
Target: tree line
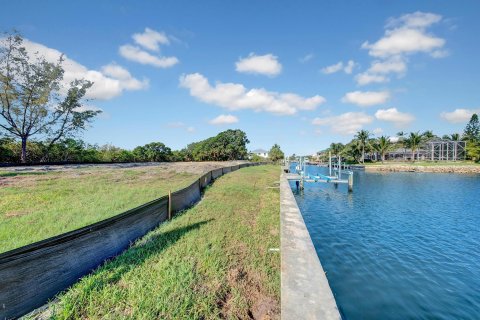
227	145
364	144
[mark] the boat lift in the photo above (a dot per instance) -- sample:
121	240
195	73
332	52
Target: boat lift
334	174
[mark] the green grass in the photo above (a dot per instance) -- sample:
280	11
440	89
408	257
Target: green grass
38	205
213	261
424	163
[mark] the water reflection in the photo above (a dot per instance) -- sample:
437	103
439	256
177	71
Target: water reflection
401	246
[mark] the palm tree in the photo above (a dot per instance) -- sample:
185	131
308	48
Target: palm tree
401	137
455	137
336	148
428	134
382	145
362	137
353	150
413	142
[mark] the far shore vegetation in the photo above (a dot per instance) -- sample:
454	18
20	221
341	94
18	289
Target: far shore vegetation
217	260
368	150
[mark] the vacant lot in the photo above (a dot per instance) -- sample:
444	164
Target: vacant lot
40	202
213	261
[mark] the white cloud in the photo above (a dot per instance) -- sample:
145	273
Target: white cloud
307	58
404	36
349	67
110	82
414	20
340	66
377	131
126	80
346	124
333	68
136	54
190	129
367	78
404	40
399	119
266	65
366	98
395	65
459	115
224	119
233	96
151	39
440	54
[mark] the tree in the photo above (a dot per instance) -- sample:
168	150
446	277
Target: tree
428	135
275	154
472	135
6	150
33	100
382	145
353	151
401	139
413	142
472	130
227	145
473	150
362	136
153	152
336	148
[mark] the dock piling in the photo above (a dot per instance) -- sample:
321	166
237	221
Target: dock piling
350	182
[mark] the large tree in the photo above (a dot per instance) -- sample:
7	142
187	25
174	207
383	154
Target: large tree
472	135
153	152
227	145
472	130
33	100
275	154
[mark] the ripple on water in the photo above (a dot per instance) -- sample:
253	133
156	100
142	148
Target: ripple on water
401	246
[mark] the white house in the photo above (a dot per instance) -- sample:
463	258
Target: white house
260	152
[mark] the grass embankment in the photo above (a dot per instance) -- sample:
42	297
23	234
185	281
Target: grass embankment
38	205
211	262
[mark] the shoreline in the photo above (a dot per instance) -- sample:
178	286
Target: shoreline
418	168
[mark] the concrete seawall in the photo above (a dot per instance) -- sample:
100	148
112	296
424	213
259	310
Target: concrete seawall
306	293
414	168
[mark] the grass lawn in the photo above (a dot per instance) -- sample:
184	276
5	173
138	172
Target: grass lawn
38	205
424	163
213	261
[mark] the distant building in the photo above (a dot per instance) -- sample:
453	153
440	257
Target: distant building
260	152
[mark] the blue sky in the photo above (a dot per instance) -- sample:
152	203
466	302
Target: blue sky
301	74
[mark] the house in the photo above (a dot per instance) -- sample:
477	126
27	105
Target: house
260	152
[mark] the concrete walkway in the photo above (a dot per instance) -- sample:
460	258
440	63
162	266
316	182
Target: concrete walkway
306	293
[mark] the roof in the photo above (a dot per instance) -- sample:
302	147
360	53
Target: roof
259	151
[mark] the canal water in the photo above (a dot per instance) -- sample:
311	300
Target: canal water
401	246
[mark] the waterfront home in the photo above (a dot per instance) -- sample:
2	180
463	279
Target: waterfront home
260	152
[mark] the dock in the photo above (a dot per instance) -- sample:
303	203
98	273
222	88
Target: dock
301	177
326	179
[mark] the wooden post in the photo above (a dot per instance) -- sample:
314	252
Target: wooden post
169	204
350	182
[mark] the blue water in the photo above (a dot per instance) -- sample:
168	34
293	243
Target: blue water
401	246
